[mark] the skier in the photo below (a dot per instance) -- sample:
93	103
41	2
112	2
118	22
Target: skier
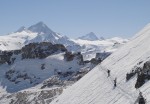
108	71
140	99
115	82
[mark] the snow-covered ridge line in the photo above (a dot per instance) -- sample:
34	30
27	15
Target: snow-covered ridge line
97	88
90	36
40	32
35	33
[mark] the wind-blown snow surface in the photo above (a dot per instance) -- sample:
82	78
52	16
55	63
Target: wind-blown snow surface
97	88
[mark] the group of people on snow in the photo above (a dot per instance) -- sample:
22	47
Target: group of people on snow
140	99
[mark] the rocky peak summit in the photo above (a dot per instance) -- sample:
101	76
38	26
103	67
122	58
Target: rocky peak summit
22	28
40	27
90	36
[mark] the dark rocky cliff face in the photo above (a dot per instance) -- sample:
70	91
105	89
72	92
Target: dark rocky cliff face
41	50
5	56
31	51
36	97
142	73
70	56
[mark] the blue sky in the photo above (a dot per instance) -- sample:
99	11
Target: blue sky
73	18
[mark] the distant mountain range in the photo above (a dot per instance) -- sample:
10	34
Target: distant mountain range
37	64
88	44
35	33
90	36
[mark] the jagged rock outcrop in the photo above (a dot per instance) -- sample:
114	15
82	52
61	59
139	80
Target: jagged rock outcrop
103	55
79	75
33	97
99	58
16	77
95	61
143	74
5	57
31	51
41	50
53	81
146	66
130	75
70	56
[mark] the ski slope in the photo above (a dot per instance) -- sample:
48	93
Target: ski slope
97	88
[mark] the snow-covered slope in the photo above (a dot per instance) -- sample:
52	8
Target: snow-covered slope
25	73
97	88
38	73
90	36
32	67
15	40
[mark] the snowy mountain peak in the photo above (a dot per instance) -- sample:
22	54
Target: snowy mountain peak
40	27
90	36
22	28
91	33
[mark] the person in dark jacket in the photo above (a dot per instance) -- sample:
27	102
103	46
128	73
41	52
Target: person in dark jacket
115	82
108	71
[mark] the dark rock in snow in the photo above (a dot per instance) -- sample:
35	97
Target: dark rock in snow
41	50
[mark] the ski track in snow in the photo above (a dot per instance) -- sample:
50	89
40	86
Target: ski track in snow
120	88
97	88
